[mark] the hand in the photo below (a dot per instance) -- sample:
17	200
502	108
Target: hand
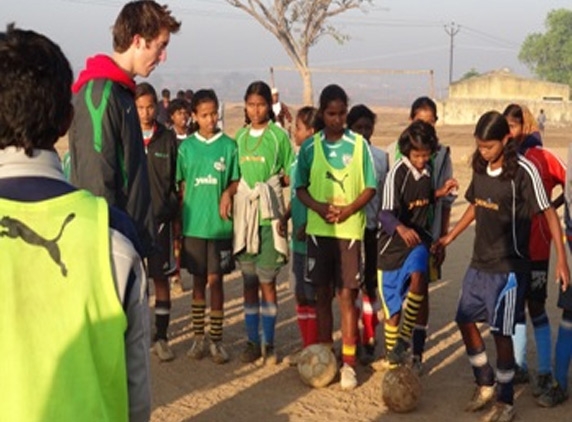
225	206
449	187
409	236
563	275
328	212
344	213
283	227
439	256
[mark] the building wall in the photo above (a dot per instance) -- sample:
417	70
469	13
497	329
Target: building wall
508	86
458	111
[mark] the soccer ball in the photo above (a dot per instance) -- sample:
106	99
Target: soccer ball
401	389
317	365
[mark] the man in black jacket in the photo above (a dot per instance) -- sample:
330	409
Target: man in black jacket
106	148
161	148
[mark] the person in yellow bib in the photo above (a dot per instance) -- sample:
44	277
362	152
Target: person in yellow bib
335	179
74	323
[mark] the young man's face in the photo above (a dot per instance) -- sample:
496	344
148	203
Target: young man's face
148	55
146	110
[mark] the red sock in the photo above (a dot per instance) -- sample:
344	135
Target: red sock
302	314
369	320
312	326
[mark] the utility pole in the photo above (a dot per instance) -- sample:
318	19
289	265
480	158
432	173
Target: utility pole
452	29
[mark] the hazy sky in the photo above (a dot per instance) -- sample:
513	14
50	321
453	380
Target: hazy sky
219	45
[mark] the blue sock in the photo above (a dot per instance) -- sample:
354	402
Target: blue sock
268	311
543	340
563	353
519	344
252	320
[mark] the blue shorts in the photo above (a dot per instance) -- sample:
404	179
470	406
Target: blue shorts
393	284
495	298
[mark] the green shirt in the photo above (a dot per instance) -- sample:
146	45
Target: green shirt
299	214
339	176
263	154
207	166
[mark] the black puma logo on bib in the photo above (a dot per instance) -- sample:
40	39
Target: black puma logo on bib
15	228
331	177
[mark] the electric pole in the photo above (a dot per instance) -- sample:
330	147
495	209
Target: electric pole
452	29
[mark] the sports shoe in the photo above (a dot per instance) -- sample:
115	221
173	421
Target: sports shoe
500	412
348	380
552	397
197	350
482	396
218	353
251	353
163	351
270	356
542	384
417	365
398	354
521	375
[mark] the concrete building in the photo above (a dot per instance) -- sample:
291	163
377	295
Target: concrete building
470	98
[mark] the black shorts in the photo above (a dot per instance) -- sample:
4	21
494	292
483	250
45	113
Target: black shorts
536	290
162	263
205	256
370	262
332	260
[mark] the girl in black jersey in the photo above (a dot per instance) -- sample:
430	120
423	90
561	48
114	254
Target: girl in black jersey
504	193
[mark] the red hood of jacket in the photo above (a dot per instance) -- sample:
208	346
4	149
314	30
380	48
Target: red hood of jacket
102	67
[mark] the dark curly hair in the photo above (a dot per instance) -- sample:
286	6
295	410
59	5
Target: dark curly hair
35	90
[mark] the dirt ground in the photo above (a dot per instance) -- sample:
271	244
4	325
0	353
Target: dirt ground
187	390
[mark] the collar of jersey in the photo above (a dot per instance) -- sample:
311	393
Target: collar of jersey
43	163
416	173
209	140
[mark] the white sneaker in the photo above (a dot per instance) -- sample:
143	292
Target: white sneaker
197	350
348	380
218	353
163	351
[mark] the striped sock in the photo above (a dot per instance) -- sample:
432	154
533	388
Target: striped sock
198	307
349	353
410	315
391	333
268	311
216	320
162	317
369	319
543	339
252	320
483	371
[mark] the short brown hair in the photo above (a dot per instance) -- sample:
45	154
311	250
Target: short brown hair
146	18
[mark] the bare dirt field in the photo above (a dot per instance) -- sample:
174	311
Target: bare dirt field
187	390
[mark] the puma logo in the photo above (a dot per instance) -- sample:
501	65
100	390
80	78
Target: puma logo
333	178
15	228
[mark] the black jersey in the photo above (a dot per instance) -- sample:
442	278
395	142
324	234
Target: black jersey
409	196
503	213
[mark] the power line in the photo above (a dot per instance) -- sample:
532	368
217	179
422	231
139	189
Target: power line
451	29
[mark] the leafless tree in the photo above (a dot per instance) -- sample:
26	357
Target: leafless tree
298	25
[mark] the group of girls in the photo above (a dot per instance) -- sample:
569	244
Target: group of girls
343	194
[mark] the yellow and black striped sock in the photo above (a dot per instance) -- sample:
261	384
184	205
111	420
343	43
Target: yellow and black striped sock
198	316
390	336
216	320
413	304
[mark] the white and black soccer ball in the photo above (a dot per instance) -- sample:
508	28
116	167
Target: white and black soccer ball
317	365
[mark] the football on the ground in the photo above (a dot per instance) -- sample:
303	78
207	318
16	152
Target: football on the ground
401	389
317	365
